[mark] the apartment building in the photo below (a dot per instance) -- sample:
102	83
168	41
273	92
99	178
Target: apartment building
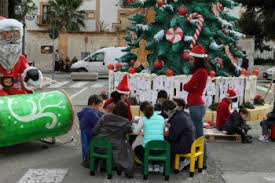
106	22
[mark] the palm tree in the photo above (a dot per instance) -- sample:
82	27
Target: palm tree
66	16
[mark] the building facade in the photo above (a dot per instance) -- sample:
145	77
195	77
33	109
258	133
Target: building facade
4	8
106	22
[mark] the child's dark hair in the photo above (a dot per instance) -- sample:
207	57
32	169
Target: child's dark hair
162	94
121	109
116	96
94	99
147	109
243	111
169	105
180	102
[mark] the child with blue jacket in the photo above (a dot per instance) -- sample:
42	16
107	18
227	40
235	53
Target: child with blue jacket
88	117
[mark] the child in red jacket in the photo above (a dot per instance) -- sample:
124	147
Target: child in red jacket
223	110
121	94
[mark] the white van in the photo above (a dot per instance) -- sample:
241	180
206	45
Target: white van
98	61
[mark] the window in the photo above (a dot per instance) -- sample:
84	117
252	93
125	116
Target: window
45	14
98	57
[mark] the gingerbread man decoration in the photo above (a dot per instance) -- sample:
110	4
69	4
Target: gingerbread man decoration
150	15
142	54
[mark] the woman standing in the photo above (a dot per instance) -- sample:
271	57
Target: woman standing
195	87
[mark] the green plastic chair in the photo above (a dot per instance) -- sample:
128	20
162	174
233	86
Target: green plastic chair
164	156
102	143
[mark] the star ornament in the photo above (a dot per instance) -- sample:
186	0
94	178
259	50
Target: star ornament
142	54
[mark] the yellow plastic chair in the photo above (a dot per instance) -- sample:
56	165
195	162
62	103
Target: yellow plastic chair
197	150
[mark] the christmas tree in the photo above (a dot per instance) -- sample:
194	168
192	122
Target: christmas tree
164	31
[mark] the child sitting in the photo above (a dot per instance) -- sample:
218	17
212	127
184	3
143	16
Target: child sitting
223	110
162	97
115	126
236	124
181	132
88	118
266	125
121	94
180	103
153	129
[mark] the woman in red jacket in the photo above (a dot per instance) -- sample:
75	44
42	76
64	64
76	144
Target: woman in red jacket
195	87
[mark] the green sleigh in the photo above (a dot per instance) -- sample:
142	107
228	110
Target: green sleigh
24	118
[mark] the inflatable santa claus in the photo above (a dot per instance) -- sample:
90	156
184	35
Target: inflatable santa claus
15	73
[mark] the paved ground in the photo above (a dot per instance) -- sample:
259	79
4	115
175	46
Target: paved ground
228	162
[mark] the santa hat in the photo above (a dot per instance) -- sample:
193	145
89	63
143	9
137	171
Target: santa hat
231	93
7	23
198	51
123	86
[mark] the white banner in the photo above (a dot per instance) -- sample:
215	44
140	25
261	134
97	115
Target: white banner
146	86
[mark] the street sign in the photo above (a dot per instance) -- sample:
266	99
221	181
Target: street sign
53	36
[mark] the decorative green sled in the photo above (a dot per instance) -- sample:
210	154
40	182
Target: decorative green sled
30	117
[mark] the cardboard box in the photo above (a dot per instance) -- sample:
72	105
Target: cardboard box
210	116
135	110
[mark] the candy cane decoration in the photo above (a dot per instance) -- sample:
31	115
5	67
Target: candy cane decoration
199	20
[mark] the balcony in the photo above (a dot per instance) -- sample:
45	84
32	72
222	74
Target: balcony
42	20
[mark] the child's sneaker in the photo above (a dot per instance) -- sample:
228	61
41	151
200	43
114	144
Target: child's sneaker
184	164
151	168
264	138
156	168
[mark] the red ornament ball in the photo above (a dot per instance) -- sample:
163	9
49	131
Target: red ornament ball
256	72
111	67
225	31
131	70
160	3
158	64
220	62
118	66
212	74
186	55
141	10
244	72
220	6
182	11
169	72
133	62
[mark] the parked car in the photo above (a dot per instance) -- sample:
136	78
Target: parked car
268	73
98	61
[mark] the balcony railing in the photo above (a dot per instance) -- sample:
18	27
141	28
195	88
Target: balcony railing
42	20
